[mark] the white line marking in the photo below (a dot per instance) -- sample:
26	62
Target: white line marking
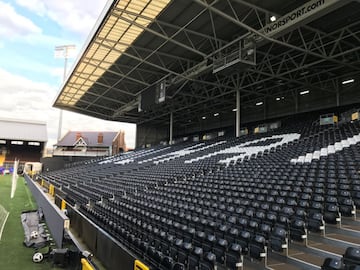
3	226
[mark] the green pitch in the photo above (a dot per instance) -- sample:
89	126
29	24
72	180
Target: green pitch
13	254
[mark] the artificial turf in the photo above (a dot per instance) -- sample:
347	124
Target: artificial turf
13	254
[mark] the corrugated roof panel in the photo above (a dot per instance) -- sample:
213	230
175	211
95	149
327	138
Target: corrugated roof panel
114	29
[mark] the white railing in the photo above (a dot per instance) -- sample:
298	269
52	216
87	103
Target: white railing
81	153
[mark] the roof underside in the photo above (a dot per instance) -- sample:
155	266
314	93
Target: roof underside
141	43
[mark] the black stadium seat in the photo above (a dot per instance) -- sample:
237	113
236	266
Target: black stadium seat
278	239
332	264
177	214
351	257
257	247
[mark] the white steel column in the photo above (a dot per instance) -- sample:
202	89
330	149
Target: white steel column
171	129
64	51
238	113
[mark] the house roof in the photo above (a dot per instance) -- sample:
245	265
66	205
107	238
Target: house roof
24	130
90	137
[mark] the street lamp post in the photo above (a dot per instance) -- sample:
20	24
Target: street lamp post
65	52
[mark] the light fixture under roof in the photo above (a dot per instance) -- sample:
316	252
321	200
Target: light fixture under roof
216	114
273	18
304	92
204	117
278	98
348	81
259	103
234	110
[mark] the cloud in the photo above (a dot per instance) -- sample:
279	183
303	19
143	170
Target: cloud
14	24
77	16
40	39
29	96
22	98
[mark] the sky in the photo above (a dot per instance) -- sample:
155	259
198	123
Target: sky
31	76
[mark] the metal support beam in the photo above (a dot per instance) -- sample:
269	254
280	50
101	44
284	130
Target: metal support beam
171	129
238	113
338	85
265	108
264	37
166	38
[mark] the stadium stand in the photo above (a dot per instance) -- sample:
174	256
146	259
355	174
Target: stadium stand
282	197
14	144
230	202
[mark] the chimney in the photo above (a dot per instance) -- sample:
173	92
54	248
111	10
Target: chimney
78	135
100	138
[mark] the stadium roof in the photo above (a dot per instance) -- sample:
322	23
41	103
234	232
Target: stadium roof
11	129
138	45
90	138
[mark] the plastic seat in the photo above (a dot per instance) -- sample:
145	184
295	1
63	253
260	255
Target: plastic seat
167	263
351	257
265	230
199	238
298	230
209	262
244	240
194	258
233	257
346	207
332	264
278	239
232	235
219	250
209	243
178	266
257	247
332	214
243	222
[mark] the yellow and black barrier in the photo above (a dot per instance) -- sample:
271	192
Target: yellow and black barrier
51	190
86	265
63	205
138	265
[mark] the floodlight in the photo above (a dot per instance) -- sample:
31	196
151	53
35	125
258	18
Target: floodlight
304	92
348	81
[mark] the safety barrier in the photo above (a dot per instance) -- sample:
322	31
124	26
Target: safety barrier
56	220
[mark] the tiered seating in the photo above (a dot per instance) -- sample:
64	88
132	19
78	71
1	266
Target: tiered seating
201	205
349	261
